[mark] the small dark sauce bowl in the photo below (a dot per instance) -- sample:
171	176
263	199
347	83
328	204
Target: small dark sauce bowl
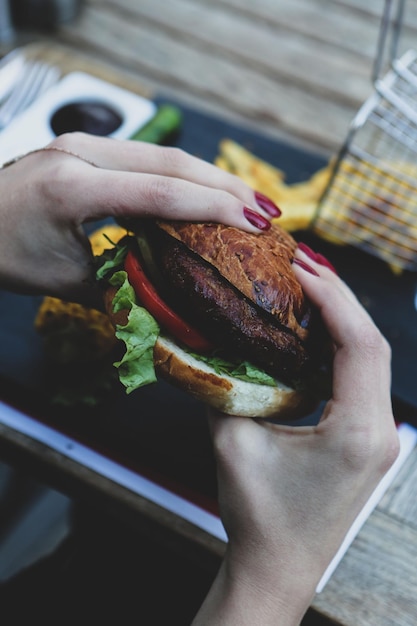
93	117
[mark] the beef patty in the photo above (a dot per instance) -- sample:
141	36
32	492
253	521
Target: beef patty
231	321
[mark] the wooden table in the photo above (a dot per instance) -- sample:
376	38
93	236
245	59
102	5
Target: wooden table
289	68
293	70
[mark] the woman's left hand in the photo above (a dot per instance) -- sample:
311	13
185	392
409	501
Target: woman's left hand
47	197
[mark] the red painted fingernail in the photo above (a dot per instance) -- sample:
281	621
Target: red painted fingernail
307	250
267	205
321	260
305	267
257	220
316	256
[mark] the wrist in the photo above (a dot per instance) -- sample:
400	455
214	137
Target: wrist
259	592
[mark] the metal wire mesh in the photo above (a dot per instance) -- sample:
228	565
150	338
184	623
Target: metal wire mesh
371	199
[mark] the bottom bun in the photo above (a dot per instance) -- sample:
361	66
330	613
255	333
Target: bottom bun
225	393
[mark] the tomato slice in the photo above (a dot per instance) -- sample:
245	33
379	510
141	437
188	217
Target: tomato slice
163	314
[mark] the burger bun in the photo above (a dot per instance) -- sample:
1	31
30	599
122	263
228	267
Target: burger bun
225	393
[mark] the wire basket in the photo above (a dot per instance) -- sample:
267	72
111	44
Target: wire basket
371	199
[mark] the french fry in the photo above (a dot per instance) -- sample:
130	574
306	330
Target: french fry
99	239
240	160
72	331
297	217
298	201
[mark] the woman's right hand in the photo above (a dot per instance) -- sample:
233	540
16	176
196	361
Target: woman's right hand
288	495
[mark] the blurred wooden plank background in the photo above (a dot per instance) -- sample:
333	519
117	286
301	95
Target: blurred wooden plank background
295	69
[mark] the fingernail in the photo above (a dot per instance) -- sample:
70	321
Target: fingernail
305	267
321	260
257	220
316	256
307	250
267	205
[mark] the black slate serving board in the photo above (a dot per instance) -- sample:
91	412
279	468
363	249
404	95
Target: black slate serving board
158	429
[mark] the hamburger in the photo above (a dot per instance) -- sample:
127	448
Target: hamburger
219	313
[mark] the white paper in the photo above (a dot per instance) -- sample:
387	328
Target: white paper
408	439
110	469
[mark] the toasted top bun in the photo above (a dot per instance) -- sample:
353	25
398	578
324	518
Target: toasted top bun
258	265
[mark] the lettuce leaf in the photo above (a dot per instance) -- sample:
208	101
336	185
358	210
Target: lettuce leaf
124	297
110	260
136	368
242	370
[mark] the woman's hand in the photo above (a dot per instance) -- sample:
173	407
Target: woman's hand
288	495
49	195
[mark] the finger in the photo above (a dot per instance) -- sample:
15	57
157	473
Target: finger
340	309
236	440
361	351
136	156
321	265
131	194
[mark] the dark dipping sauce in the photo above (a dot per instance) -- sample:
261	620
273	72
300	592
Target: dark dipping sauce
93	117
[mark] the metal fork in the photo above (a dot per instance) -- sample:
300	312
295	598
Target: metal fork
36	77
